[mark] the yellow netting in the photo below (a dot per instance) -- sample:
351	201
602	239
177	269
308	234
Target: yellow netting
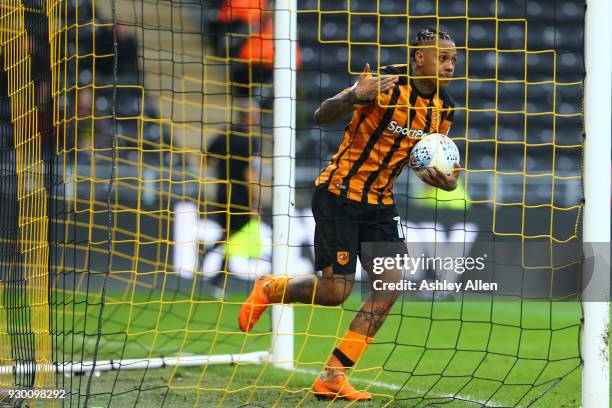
25	292
131	132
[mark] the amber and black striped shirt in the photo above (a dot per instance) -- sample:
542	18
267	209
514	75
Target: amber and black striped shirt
377	142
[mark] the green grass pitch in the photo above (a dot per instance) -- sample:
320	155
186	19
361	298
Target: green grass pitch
438	354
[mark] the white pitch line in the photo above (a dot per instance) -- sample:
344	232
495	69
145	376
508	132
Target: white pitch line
356	380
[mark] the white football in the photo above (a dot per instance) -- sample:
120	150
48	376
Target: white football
435	150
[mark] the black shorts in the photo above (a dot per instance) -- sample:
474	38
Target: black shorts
342	225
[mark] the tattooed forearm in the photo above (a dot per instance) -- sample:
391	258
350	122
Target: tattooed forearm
333	108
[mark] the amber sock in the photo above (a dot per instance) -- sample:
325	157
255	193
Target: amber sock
349	351
277	290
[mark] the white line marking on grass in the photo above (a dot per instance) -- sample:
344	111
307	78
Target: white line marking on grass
313	373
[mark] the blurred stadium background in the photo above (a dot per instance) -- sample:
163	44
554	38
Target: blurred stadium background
130	99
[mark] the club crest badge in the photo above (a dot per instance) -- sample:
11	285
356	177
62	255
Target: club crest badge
342	257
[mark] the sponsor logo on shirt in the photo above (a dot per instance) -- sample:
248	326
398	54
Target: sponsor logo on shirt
400	130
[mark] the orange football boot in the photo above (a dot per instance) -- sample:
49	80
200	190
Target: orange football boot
337	386
254	306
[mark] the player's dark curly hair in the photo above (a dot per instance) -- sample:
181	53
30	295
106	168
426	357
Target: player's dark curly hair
426	35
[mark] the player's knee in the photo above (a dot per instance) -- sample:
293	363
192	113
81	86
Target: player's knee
339	295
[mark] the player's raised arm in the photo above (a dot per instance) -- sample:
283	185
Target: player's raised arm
365	90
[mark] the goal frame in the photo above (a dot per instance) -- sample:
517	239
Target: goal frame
596	223
283	190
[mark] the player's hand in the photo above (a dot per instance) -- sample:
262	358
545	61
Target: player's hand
436	178
368	86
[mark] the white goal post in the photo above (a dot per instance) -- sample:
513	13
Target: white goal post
596	226
283	190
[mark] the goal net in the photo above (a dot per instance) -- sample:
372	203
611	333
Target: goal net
138	154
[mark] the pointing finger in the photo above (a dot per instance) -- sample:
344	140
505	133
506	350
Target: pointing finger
366	70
